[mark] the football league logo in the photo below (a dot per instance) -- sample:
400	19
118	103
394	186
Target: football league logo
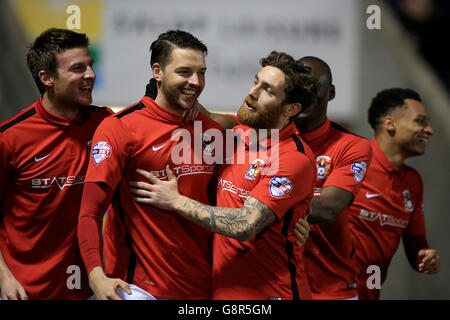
359	170
254	170
206	144
407	201
280	186
323	164
101	151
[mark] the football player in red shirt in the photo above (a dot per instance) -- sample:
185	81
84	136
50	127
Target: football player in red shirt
170	257
390	204
44	152
341	158
253	253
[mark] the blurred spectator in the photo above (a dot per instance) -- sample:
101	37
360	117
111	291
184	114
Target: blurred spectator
428	21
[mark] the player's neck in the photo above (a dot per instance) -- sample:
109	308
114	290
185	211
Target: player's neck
390	150
52	105
305	125
163	103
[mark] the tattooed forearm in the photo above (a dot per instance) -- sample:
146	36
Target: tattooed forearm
241	224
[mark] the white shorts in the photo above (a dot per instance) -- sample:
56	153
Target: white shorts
136	294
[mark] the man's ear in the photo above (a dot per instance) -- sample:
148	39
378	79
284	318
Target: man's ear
46	78
331	92
293	109
157	72
389	125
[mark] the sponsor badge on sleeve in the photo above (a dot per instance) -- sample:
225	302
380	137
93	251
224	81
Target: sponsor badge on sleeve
359	170
280	186
101	151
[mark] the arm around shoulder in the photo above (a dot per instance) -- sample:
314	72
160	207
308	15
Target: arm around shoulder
326	207
226	121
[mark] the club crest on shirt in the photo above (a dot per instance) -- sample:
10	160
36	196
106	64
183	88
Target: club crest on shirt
323	164
254	170
407	201
280	186
206	145
101	151
359	170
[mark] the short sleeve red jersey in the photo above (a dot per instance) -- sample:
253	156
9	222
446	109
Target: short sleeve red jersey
341	158
389	206
172	255
268	266
43	162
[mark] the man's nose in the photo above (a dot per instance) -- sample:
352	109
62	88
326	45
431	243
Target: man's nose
89	72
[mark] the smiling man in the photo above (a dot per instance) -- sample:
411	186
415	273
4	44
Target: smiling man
341	158
170	257
390	203
258	202
44	152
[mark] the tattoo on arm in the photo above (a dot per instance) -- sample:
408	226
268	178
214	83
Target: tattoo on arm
241	224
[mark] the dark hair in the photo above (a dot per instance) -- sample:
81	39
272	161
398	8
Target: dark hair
42	54
325	67
300	84
162	47
386	101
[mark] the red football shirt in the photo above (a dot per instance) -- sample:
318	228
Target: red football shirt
389	206
172	256
342	158
43	162
268	266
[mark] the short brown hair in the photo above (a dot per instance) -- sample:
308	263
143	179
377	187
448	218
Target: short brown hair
42	54
301	87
